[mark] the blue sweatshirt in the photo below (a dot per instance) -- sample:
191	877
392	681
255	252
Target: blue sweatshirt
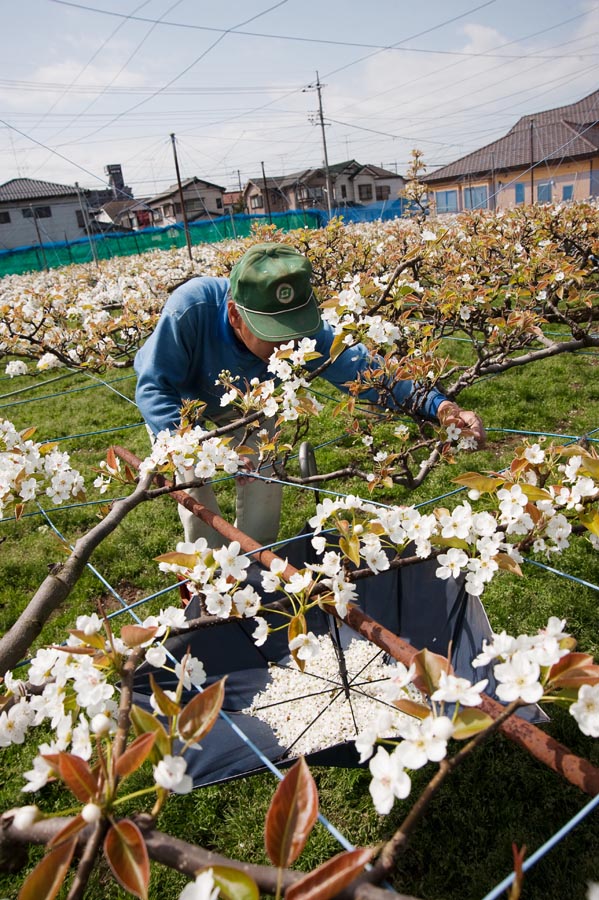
193	343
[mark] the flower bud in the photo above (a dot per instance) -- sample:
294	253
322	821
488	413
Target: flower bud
90	813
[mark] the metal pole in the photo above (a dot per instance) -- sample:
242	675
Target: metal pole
532	169
92	244
327	174
183	210
39	238
267	198
577	770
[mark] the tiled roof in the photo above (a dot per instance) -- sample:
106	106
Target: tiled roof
562	133
30	189
187	182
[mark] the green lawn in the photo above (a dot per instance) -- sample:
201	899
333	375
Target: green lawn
500	796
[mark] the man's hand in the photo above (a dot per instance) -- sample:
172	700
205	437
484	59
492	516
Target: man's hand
246	466
449	413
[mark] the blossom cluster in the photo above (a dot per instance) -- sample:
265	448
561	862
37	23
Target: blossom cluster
27	467
76	694
527	669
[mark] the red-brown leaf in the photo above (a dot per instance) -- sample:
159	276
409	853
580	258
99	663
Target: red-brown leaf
70	830
125	850
332	876
134	635
77	776
428	670
198	717
135	754
165	704
291	816
46	879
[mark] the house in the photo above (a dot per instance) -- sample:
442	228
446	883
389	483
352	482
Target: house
123	215
351	182
232	202
40	212
546	157
202	199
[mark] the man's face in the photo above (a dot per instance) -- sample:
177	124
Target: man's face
262	349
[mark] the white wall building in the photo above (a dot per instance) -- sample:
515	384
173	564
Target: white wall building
39	212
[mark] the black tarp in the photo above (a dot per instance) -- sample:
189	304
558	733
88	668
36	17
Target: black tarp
411	602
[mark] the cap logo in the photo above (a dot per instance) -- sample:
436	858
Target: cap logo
285	293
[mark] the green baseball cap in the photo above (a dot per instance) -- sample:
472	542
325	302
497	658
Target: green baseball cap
271	288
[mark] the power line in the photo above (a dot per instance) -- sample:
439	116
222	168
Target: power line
287	37
190	66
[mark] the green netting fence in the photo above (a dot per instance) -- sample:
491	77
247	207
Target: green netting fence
106	246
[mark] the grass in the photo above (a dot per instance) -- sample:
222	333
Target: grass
501	795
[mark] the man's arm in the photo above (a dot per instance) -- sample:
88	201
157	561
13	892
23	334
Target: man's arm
162	365
406	395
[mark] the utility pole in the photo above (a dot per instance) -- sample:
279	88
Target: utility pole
532	165
266	197
86	225
39	238
239	181
327	174
183	210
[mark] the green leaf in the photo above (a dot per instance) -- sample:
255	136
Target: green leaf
166	705
77	776
591	521
332	876
186	560
338	346
144	721
469	722
200	714
351	548
98	641
234	884
46	879
484	484
291	815
135	754
297	626
534	493
125	850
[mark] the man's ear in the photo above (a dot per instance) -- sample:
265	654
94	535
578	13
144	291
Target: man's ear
234	317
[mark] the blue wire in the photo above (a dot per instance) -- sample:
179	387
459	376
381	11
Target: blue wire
542	850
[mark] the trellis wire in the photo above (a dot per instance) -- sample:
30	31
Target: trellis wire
125	607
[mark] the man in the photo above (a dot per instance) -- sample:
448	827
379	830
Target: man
209	325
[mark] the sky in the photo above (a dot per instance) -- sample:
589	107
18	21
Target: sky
97	82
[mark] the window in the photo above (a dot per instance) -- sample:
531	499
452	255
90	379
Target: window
447	201
544	192
383	192
256	202
41	212
344	192
80	219
365	191
177	209
4	217
475	197
519	192
219	203
567	191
